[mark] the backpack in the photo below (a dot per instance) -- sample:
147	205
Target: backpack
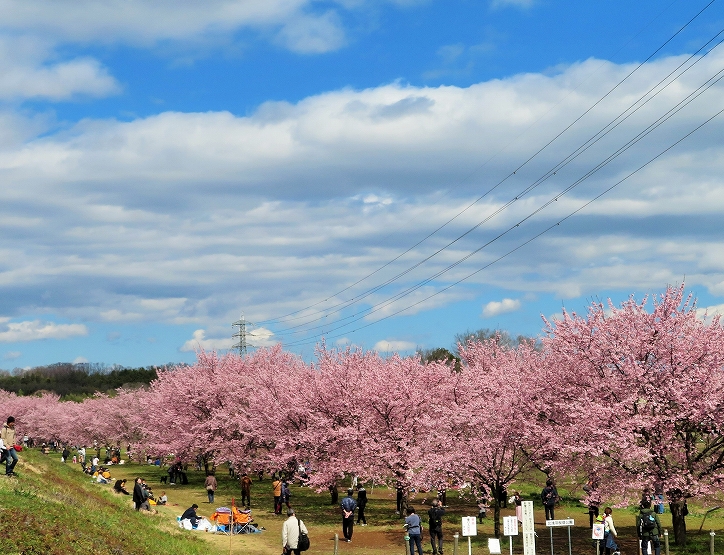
435	520
647	524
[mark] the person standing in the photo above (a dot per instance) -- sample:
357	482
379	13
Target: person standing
210	484
290	533
413	525
138	495
609	532
361	504
435	522
348	505
277	489
245	490
549	496
8	436
648	528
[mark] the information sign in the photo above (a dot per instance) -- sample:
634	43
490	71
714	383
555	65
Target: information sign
470	526
528	528
563	522
510	525
597	532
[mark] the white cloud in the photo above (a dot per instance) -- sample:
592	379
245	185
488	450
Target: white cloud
313	35
392	346
28	71
12	355
261	337
278	210
199	341
12	332
80	360
496	308
707	313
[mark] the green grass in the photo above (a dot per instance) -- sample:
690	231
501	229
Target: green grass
52	508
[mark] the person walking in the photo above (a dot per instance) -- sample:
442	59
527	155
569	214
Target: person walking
549	496
8	436
290	533
286	494
277	489
348	505
245	490
210	484
413	525
361	504
648	528
435	523
609	533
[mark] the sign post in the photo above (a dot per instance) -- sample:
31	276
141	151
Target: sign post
528	528
470	528
597	535
510	529
567	522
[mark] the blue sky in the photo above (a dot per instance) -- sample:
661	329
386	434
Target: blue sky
167	166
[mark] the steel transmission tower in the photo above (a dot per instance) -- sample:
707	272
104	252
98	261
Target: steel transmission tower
240	336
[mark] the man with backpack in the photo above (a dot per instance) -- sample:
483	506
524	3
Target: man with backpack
435	523
648	528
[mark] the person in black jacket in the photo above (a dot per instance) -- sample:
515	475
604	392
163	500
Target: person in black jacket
435	522
361	504
138	495
190	513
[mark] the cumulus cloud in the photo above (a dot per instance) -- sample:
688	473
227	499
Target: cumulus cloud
496	308
261	337
392	346
13	332
29	70
185	217
80	360
200	341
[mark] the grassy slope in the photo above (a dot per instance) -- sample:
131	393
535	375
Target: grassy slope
53	508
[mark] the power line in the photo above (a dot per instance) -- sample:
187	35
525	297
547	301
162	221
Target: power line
623	116
668	115
370	291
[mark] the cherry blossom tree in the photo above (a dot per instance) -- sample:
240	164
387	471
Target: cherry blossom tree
491	425
637	397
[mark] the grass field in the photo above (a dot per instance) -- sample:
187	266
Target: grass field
52	508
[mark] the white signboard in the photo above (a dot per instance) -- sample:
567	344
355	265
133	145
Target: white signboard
563	522
598	530
470	526
528	528
494	546
510	525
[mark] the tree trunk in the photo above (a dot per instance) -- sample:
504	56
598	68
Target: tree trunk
678	519
498	492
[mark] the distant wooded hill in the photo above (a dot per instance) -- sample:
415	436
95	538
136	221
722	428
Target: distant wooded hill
75	381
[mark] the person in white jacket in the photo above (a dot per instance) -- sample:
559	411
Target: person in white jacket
290	532
609	533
